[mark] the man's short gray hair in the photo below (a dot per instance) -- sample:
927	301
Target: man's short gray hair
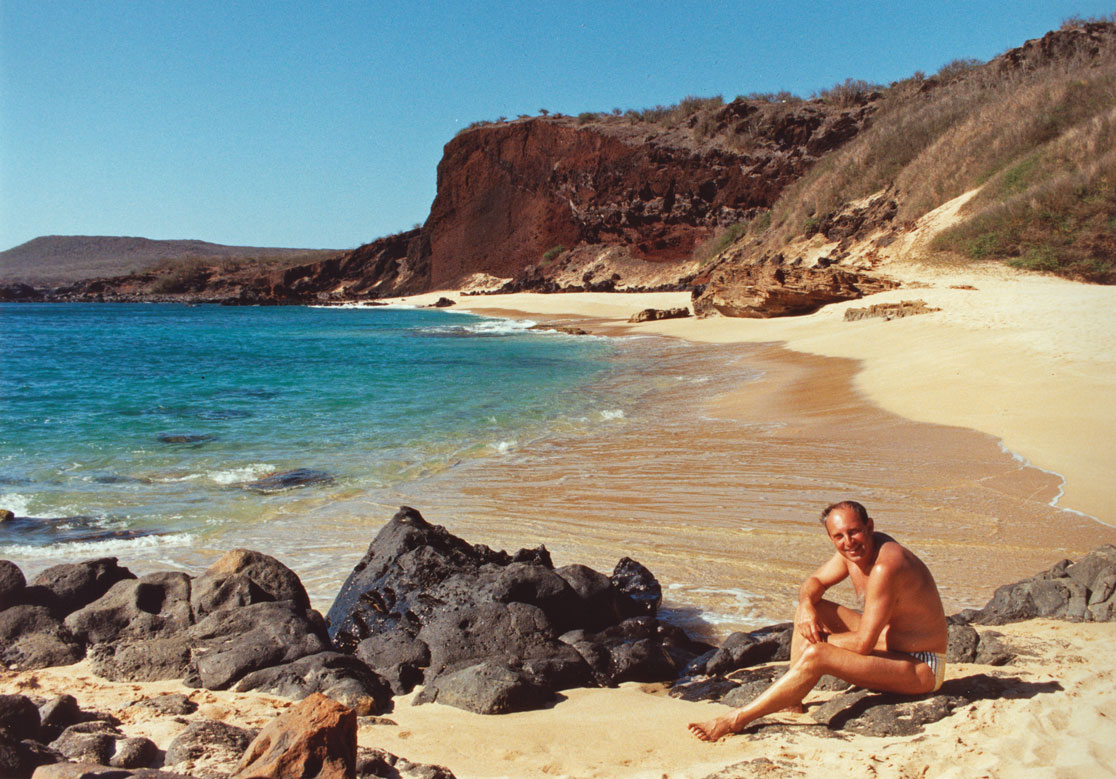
851	505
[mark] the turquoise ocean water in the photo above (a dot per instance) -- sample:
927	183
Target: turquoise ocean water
130	429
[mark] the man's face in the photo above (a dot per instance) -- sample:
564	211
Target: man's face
851	537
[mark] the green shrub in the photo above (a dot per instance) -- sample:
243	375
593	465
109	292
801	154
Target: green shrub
553	252
721	240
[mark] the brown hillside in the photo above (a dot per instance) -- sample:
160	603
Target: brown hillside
55	260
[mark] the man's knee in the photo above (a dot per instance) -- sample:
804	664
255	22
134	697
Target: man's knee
813	657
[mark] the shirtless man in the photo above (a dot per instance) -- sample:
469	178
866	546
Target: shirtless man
897	644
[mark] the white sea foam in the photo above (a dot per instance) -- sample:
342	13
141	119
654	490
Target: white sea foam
615	413
1061	483
739	609
483	327
503	447
177	478
89	549
18	504
242	474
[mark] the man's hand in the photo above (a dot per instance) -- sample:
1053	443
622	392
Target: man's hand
807	624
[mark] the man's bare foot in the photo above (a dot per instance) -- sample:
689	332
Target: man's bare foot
713	730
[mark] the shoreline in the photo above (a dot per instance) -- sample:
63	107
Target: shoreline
1027	359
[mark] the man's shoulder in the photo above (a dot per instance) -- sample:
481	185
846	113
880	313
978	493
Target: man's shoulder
891	553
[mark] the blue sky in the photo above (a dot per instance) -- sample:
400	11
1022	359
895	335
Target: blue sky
320	125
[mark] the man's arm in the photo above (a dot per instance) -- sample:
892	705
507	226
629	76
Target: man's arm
811	591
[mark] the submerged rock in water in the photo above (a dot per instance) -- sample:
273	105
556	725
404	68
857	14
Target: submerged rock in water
287	480
186	438
64	530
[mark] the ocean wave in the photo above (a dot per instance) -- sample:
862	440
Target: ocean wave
483	328
18	504
241	474
503	447
68	552
739	610
1026	463
612	414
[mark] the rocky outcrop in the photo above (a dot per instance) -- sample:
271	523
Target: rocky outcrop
889	311
247	619
655	314
777	288
549	203
491	632
1084	591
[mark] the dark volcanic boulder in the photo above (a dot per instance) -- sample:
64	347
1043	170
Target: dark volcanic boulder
20	758
887	715
639	584
344	678
599	601
963	642
512	631
11	584
67	587
59	713
423	605
741	650
399	658
488	687
1081	591
410	569
233	642
19	716
156	605
32	637
101	743
210	739
241	577
142	660
380	764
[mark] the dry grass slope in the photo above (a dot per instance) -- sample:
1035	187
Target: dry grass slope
1036	127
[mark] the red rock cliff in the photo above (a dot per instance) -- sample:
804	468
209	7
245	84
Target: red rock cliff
510	192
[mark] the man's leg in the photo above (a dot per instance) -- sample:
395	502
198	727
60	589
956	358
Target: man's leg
887	672
838	622
835	618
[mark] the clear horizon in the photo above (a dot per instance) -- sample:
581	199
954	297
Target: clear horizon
283	125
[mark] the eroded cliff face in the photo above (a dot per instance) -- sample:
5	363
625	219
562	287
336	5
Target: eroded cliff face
551	202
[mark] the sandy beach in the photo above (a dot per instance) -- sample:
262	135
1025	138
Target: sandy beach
1020	363
1061	721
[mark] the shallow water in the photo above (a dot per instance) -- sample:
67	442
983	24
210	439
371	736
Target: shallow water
155	421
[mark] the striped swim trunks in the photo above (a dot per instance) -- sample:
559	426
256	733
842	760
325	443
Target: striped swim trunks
937	663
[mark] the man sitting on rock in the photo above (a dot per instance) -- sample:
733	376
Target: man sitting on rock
897	644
